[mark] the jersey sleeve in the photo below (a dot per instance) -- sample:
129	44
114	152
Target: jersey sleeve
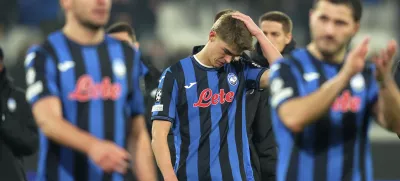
40	75
253	73
136	102
283	84
166	98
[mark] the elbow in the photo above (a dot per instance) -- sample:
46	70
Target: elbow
293	123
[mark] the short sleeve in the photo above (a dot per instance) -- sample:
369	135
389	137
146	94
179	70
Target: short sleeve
253	73
283	84
40	75
136	102
166	97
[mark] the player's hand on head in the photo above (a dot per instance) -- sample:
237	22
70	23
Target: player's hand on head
251	26
109	156
384	61
355	61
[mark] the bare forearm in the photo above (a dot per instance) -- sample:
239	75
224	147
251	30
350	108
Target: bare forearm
268	49
143	162
163	157
297	114
389	96
63	132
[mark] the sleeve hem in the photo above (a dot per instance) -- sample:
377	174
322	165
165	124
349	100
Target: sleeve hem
162	118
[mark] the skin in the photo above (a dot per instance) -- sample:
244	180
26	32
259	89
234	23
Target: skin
274	32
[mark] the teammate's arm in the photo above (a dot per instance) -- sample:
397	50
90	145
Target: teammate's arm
388	104
42	93
164	113
299	112
140	150
161	150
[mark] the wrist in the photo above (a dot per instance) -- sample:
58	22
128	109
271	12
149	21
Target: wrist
383	81
344	76
92	141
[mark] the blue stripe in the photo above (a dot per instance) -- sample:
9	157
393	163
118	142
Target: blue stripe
96	119
67	78
246	151
306	155
363	95
194	120
233	153
43	145
216	114
335	166
177	135
137	104
116	57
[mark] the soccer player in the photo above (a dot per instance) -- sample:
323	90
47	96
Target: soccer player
323	99
85	96
201	97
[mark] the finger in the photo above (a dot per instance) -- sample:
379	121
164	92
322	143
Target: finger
391	49
363	46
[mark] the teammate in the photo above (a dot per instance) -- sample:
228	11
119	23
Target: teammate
201	97
322	99
259	128
83	87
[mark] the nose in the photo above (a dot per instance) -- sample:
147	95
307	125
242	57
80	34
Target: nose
329	28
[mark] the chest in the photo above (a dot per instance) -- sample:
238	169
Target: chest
92	79
212	88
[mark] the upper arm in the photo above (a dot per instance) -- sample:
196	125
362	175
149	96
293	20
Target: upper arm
136	102
40	75
47	109
256	73
166	98
160	129
283	84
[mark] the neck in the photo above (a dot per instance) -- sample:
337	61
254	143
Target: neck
82	35
337	58
203	57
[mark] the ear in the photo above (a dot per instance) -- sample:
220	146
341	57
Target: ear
356	28
288	38
212	36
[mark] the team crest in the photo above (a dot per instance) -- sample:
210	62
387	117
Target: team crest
158	96
232	79
119	68
357	82
11	104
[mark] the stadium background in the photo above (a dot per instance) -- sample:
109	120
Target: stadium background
168	29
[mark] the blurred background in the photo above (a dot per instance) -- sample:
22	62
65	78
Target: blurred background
168	29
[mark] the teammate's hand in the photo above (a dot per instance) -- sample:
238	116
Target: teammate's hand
251	26
384	61
109	156
355	61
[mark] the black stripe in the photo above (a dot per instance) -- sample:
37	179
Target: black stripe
322	134
80	160
223	132
203	163
369	76
293	170
239	119
108	105
53	153
184	121
128	56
